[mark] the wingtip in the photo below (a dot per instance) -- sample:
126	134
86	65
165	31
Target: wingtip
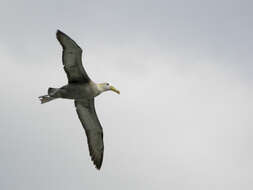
97	163
59	35
58	32
98	166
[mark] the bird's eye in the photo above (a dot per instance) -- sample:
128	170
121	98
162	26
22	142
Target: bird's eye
107	84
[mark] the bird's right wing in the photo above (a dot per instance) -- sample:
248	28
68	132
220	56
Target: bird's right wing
72	59
93	129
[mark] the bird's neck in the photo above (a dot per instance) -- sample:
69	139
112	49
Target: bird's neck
98	88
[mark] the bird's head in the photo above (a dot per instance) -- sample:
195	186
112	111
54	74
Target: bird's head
106	86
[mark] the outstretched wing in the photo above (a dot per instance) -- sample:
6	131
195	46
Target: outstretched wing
93	129
72	59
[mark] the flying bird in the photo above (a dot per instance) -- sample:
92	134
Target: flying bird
82	90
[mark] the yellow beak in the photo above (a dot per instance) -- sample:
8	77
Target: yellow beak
115	90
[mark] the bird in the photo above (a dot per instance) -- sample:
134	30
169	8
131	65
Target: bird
83	91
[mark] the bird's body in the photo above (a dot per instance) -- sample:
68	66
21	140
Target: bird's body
82	90
76	91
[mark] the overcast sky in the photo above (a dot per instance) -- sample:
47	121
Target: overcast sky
183	120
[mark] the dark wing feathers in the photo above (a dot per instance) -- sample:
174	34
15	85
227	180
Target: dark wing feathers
93	129
72	59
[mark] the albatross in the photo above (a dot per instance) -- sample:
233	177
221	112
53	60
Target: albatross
82	90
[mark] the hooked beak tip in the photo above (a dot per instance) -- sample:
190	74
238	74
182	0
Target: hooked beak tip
115	90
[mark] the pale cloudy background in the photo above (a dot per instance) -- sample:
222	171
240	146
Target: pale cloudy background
183	120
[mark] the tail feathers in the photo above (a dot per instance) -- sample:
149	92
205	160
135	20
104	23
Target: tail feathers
52	91
45	99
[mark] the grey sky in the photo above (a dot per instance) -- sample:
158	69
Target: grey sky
182	121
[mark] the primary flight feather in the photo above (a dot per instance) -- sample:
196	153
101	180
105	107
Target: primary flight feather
82	90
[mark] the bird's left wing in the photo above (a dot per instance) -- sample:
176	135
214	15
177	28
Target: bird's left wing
93	129
72	59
